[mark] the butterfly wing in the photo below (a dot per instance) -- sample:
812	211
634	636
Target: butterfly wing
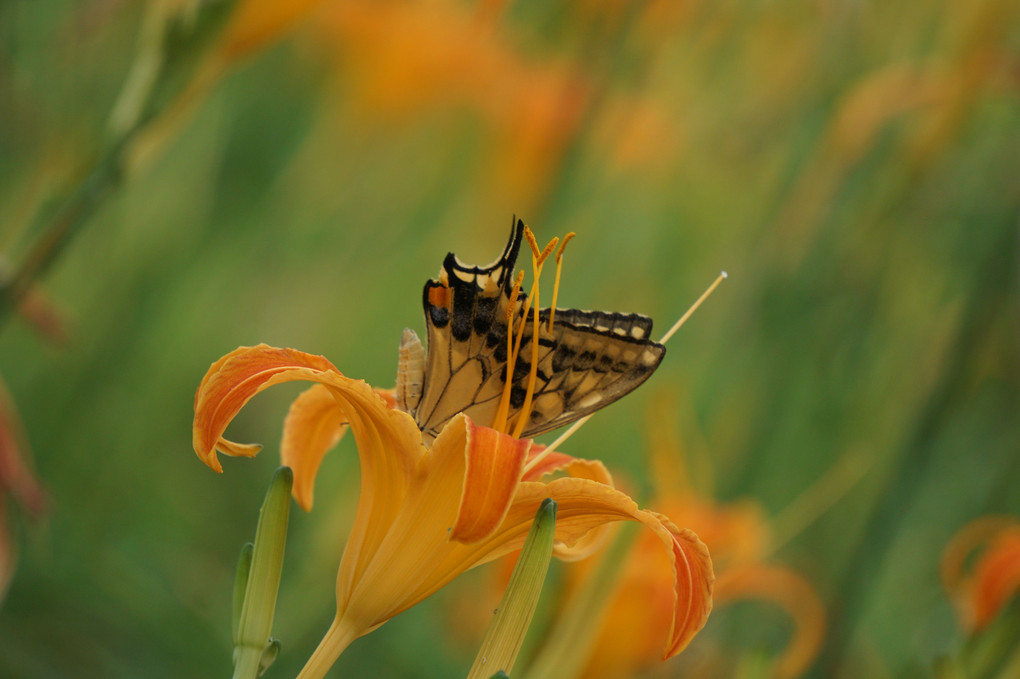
593	359
589	360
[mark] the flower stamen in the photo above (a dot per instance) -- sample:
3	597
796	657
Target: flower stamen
694	307
556	283
499	421
515	339
537	259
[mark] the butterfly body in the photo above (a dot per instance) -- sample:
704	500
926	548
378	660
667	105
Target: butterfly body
586	361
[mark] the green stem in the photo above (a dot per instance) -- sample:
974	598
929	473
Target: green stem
246	662
104	176
170	47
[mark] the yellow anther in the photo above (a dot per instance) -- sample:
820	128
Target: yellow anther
532	243
499	421
556	283
563	246
539	255
529	393
515	292
550	246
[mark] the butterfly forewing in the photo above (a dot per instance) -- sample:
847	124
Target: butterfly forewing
589	360
594	358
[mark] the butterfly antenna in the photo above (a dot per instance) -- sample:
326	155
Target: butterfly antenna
556	283
580	423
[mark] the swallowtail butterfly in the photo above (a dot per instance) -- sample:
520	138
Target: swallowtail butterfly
587	361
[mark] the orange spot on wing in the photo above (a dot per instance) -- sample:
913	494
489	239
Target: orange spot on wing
439	296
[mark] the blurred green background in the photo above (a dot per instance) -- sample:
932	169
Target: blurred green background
301	170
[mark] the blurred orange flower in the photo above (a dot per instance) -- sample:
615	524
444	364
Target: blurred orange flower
406	58
427	514
17	481
738	536
992	544
403	59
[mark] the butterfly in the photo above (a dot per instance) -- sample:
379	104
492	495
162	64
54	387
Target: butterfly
588	360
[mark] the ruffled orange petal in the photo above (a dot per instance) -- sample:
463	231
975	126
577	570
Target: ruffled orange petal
572	466
314	424
795	595
584	505
231	381
580	468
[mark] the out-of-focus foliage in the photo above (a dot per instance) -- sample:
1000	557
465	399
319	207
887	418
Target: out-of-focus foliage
853	165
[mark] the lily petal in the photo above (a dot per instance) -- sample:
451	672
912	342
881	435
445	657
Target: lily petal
576	467
389	443
231	382
494	465
426	515
394	560
416	554
573	466
314	424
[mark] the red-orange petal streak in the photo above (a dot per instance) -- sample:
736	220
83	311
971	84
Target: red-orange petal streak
495	462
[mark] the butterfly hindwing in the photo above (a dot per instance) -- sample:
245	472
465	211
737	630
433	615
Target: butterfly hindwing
589	360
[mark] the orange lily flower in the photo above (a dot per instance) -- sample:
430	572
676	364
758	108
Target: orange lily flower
428	513
994	578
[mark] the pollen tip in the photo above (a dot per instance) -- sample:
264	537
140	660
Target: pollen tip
724	274
548	250
532	243
563	246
